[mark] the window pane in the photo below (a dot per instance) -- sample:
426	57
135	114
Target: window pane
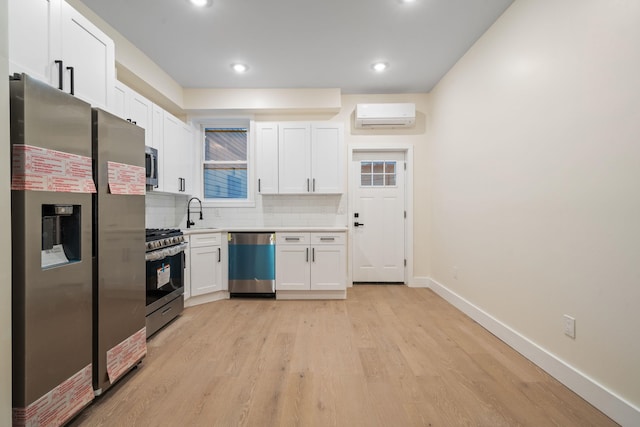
225	181
365	180
378	180
378	167
365	167
390	167
390	180
225	144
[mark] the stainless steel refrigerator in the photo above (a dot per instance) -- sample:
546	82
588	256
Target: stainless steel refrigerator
119	291
78	251
51	215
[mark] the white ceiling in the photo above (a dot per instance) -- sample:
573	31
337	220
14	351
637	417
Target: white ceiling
304	43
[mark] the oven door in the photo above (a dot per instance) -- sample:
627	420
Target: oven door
165	280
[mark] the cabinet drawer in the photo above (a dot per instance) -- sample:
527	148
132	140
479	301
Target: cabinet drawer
327	239
201	240
292	238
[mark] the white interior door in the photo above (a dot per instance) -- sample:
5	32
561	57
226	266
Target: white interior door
378	217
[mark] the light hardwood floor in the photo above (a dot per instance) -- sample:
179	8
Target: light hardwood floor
387	356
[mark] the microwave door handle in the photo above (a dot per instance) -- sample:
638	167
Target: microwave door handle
153	165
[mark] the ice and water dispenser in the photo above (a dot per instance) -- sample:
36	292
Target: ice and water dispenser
61	235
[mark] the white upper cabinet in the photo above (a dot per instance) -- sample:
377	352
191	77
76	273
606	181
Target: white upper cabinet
300	158
267	158
327	141
294	156
130	105
89	59
32	23
51	41
176	156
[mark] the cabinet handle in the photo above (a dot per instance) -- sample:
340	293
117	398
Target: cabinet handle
307	251
292	239
73	80
327	239
307	185
314	185
218	254
313	254
60	77
258	185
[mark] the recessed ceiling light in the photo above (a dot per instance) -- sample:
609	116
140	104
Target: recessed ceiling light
200	3
239	68
407	1
380	66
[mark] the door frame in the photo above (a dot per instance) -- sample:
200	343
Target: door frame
408	200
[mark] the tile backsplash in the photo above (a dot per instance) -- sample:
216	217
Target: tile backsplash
169	211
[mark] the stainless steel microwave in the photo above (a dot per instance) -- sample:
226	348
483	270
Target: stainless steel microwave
151	165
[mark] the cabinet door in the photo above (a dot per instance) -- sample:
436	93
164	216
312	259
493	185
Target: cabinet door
140	112
292	267
294	155
89	59
157	135
328	268
120	105
267	157
32	25
173	153
187	165
206	271
327	150
187	270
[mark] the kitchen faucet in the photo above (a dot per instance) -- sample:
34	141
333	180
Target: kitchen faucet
189	222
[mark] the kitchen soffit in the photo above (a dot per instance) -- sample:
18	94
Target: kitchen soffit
304	43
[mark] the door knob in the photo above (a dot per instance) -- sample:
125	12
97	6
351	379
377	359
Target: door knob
357	224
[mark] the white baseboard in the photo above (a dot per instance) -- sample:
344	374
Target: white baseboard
605	400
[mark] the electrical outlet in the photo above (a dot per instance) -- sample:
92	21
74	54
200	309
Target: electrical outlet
569	326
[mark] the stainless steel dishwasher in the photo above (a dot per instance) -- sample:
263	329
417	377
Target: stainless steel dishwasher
252	264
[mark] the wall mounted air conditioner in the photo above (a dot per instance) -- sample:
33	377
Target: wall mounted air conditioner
385	116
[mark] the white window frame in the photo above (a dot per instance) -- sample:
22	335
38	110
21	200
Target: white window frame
248	124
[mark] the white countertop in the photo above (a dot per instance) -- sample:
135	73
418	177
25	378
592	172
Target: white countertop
279	229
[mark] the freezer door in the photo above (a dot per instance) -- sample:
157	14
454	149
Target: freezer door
51	302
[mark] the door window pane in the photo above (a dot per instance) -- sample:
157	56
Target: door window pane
378	174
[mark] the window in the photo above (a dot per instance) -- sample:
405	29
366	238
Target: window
378	173
225	165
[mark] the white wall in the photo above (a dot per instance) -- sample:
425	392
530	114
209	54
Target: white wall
5	229
535	181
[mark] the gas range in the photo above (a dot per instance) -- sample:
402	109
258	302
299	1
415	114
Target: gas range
160	238
165	276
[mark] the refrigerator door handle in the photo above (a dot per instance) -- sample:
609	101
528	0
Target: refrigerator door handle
73	82
60	76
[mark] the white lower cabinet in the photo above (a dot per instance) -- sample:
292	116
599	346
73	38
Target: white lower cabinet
310	262
206	261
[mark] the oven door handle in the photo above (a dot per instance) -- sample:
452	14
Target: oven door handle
166	252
